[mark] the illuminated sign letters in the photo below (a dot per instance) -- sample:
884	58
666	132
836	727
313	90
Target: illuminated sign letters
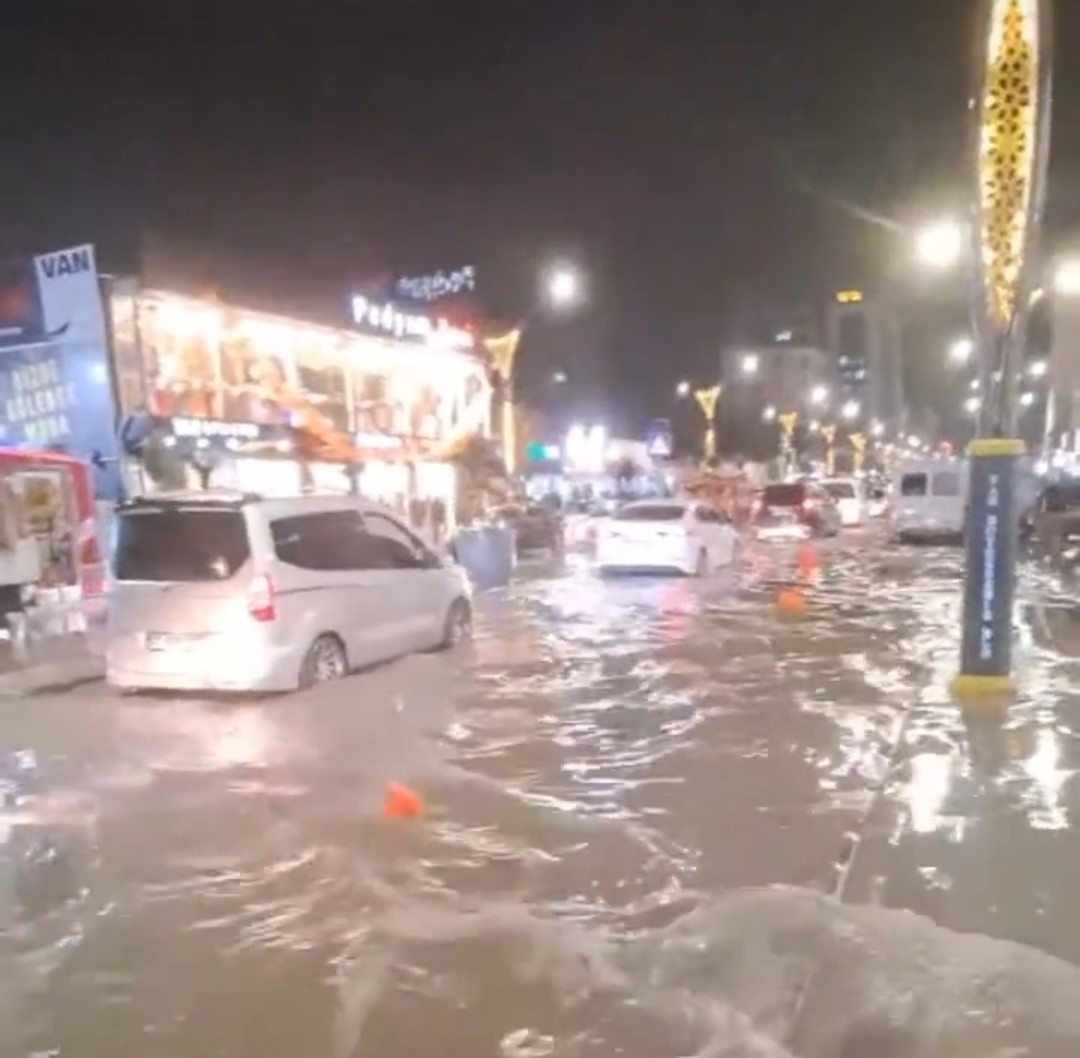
438	285
386	318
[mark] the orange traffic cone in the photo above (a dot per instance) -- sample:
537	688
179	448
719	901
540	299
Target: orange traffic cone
402	803
791	602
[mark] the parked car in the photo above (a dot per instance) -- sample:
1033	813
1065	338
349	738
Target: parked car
850	497
224	591
929	500
795	511
536	527
666	535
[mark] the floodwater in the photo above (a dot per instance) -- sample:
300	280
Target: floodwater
661	820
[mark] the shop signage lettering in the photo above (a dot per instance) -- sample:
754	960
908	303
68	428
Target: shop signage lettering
69	263
214	428
438	285
386	318
989	571
37	399
377	440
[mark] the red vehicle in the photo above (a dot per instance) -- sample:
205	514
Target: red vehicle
48	526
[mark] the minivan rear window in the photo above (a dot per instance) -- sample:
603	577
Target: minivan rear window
913	485
783	495
947	484
189	544
840	490
651	513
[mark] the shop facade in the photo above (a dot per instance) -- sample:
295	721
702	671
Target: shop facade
277	405
56	389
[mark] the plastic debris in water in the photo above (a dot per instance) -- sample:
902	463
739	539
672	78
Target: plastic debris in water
402	803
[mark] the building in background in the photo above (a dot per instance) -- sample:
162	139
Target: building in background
55	384
863	335
274	404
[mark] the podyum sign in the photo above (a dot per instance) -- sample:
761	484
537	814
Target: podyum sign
55	389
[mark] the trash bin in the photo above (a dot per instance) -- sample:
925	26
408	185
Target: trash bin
486	554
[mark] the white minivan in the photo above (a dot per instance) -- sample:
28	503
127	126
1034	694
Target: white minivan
929	499
227	591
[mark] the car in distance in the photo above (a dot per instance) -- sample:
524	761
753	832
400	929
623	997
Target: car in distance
795	510
850	497
227	591
666	536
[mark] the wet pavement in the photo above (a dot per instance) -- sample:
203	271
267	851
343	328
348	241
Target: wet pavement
662	819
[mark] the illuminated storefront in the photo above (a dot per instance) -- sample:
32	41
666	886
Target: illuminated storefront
254	392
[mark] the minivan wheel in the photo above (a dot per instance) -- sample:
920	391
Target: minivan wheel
458	625
325	662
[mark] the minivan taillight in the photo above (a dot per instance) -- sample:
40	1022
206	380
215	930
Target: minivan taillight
261	604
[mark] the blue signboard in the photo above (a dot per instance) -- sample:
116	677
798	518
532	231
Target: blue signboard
55	390
659	442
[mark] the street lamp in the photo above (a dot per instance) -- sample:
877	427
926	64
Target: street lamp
1027	399
877	429
972	405
682	390
563	286
559	378
1067	277
940	245
961	351
819	395
850	411
1038	369
751	363
770	413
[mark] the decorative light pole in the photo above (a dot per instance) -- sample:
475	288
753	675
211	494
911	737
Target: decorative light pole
503	352
707	400
1013	140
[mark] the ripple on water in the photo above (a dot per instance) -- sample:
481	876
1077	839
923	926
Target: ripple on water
639	795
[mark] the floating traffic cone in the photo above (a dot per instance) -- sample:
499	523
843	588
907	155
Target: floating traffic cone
791	602
402	803
809	560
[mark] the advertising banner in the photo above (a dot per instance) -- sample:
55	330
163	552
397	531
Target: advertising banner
55	391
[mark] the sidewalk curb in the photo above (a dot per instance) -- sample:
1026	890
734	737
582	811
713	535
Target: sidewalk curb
10	690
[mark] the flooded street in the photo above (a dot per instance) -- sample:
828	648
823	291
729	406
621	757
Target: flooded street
662	819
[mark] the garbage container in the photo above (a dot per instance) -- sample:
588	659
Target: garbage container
486	554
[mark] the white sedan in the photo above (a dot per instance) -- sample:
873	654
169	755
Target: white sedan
681	536
850	496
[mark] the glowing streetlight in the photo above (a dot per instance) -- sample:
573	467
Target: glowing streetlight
1038	369
850	411
940	245
975	385
1067	278
819	395
972	405
563	286
877	429
814	426
751	364
769	414
1027	399
559	378
914	442
961	351
682	390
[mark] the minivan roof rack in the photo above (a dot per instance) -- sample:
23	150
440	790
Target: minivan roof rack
205	497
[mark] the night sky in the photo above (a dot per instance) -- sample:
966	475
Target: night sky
697	157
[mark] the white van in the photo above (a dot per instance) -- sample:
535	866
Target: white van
227	591
929	499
